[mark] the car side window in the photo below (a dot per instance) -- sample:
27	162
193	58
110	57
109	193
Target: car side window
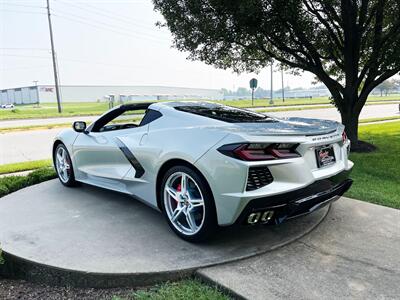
124	119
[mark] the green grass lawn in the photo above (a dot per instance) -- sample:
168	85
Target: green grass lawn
377	175
24	166
181	290
48	110
371	120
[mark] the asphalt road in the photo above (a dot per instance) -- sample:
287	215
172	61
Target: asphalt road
26	145
33	145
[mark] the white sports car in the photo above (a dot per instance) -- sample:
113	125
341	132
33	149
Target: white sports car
206	165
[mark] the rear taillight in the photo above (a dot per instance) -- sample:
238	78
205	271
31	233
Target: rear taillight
344	136
257	152
345	140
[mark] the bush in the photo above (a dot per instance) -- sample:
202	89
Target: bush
11	184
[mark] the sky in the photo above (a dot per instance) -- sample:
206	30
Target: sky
106	42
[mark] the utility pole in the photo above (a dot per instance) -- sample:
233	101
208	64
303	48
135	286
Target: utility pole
283	87
271	100
53	54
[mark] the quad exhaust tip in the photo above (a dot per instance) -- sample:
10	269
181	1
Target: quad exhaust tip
261	217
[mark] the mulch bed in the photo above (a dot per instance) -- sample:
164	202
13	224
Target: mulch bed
21	290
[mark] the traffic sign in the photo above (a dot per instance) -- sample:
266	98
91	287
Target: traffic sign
253	83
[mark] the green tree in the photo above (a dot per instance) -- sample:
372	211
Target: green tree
386	86
350	45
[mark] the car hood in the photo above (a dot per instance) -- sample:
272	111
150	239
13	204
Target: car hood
286	126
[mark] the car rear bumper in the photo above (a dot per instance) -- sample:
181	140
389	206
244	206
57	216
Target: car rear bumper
236	183
278	208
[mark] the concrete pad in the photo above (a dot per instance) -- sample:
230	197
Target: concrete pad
88	236
353	254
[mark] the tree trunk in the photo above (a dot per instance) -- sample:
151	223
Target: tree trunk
350	121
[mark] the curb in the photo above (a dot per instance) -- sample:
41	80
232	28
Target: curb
19	268
21	173
223	288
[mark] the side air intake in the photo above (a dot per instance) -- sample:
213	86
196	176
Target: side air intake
258	177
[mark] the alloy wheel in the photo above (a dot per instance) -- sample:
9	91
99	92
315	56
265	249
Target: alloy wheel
184	203
63	164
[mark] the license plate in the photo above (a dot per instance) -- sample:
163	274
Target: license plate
325	156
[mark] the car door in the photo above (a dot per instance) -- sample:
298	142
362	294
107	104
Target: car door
103	154
102	157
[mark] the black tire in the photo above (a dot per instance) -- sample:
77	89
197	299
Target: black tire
71	180
210	225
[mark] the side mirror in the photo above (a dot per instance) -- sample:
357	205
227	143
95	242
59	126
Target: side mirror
79	126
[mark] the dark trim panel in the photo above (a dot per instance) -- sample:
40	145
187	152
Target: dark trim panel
131	158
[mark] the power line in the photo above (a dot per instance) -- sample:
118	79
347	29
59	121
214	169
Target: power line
110	15
104	24
109	28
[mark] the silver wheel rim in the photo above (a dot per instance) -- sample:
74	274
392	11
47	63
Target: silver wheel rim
63	164
184	203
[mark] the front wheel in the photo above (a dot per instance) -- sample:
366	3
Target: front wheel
188	204
63	166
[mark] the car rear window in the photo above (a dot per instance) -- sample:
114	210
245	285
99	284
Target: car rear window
226	113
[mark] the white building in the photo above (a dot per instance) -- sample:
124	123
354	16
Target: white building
93	93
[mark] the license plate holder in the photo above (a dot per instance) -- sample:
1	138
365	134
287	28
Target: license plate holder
325	156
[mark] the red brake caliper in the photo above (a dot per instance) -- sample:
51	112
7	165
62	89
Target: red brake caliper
178	189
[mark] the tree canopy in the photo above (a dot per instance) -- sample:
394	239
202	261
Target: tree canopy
350	45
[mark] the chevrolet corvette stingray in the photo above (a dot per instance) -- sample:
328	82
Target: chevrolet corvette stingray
205	165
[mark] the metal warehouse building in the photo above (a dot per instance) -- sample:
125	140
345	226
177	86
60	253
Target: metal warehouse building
93	93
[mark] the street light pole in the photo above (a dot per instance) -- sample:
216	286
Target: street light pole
53	54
